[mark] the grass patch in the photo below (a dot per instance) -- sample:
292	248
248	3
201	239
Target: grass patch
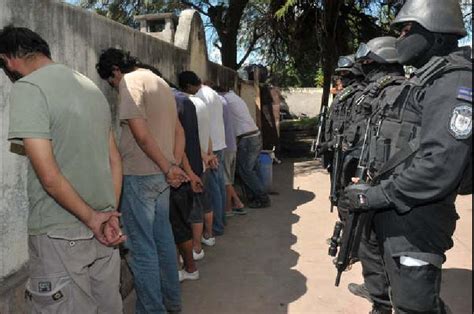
300	124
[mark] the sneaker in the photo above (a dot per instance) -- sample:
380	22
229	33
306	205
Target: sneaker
198	256
259	204
230	214
184	275
239	211
360	291
209	241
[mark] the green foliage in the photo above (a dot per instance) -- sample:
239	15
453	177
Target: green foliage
300	124
319	79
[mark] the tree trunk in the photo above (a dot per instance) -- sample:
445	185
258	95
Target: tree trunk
229	50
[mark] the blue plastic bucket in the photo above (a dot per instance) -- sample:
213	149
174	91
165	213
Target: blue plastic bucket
266	170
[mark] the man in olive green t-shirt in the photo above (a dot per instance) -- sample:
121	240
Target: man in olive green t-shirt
74	179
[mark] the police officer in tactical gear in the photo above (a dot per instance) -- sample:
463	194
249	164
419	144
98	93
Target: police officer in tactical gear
379	62
352	78
384	74
425	135
348	70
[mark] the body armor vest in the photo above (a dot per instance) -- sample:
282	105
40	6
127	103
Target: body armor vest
364	106
339	108
395	125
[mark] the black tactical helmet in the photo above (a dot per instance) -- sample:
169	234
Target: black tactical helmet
437	16
347	63
380	49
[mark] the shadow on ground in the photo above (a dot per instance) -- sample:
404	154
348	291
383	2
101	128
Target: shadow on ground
250	269
456	289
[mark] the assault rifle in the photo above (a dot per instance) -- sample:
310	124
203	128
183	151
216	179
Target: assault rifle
321	129
347	233
336	171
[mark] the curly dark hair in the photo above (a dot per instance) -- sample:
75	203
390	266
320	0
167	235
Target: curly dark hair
19	42
186	78
115	57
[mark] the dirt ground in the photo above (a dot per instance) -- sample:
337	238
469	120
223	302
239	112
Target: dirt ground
275	260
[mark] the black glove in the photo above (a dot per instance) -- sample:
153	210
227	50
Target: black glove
363	197
354	198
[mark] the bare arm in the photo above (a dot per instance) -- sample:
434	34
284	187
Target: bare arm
147	143
116	167
180	143
210	148
196	183
212	160
40	154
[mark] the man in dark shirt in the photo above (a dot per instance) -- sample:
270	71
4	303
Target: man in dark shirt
189	201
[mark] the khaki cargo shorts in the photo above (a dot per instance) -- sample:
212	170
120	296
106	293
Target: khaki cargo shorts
71	272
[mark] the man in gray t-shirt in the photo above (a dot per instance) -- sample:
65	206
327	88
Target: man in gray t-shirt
74	179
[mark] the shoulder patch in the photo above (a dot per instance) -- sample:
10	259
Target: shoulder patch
384	80
465	93
460	124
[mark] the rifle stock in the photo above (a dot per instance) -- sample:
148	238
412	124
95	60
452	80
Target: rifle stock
319	137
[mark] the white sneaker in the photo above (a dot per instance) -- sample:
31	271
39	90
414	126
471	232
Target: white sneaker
198	256
184	275
209	241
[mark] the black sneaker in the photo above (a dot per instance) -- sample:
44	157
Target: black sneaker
360	291
239	211
254	204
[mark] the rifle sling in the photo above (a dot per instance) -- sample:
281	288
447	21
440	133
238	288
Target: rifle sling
407	150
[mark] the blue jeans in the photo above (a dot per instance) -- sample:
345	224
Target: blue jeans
215	187
248	165
145	216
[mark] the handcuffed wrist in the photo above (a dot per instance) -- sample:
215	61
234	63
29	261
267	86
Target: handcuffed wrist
172	165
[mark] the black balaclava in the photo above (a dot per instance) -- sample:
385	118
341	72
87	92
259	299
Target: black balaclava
369	68
420	45
347	79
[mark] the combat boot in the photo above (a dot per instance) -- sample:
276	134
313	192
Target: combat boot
360	291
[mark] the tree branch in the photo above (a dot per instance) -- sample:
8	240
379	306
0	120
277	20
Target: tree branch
250	49
196	7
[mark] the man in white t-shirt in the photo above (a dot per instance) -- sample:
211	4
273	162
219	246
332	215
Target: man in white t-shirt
190	83
249	146
202	223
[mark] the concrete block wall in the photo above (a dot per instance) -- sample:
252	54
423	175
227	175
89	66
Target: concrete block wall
76	38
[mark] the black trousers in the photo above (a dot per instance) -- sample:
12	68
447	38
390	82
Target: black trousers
373	270
414	289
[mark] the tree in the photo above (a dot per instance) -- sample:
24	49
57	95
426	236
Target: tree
238	23
235	22
315	33
123	11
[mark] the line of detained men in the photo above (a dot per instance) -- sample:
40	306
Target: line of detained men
176	158
407	146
